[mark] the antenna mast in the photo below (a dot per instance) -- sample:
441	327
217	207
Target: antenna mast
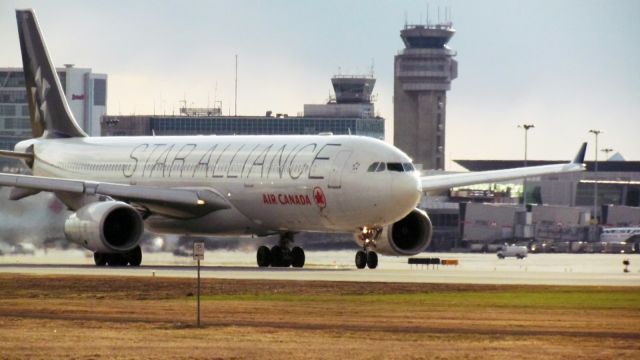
236	91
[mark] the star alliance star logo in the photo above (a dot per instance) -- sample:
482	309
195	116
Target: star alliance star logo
39	95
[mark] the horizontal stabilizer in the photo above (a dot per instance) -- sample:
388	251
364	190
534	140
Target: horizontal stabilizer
21	193
16	155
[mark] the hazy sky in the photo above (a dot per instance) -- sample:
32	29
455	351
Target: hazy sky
565	66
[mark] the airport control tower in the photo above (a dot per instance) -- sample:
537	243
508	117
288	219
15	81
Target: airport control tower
352	98
423	73
353	89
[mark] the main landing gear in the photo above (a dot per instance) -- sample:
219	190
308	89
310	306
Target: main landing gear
366	257
281	255
131	258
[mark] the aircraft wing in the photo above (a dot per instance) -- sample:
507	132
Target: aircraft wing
173	202
453	180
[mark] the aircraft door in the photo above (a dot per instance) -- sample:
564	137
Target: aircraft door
335	177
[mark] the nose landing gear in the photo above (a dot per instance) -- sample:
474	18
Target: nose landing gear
366	257
281	255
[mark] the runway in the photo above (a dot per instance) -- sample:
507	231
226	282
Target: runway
537	269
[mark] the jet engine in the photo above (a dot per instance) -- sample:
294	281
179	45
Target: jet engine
406	237
105	227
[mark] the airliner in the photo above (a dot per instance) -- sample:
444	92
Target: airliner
619	235
117	187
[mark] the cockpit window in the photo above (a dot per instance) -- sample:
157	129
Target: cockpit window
395	167
408	167
377	167
392	166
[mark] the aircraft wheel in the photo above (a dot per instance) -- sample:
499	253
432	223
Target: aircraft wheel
116	260
100	259
276	256
372	259
297	257
361	259
286	257
263	256
134	257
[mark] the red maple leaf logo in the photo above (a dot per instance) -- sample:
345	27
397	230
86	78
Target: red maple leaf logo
55	206
318	197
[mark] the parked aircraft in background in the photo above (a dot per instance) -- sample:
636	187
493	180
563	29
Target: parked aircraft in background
235	185
622	235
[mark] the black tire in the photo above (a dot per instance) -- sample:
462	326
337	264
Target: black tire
116	260
100	259
134	257
372	260
297	257
263	256
276	256
287	259
500	256
361	259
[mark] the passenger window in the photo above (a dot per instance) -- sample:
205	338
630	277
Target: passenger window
373	167
395	167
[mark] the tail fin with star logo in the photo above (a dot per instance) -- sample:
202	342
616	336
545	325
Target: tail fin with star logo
48	107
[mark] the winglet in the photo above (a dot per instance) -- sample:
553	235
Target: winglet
579	159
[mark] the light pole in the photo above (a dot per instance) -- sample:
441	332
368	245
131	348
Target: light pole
606	152
595	182
526	128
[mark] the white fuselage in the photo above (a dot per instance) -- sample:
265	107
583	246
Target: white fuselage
619	234
273	183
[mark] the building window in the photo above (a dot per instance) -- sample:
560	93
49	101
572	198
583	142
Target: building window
7	109
99	92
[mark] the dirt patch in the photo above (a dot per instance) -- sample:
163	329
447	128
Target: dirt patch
149	318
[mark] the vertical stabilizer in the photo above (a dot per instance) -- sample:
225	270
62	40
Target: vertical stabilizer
50	113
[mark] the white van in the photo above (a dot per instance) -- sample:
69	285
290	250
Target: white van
519	252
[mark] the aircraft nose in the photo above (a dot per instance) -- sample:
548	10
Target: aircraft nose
406	191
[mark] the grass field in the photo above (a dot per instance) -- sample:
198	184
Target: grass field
149	318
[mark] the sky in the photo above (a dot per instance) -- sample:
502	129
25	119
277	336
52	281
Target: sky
564	66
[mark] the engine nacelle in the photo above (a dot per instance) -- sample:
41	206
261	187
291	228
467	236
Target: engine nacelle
106	227
406	237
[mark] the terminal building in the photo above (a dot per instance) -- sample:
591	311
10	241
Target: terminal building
351	111
423	72
86	93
